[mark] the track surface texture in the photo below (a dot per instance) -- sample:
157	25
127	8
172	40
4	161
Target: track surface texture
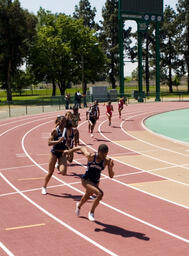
145	206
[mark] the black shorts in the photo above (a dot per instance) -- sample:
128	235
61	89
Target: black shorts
56	153
93	120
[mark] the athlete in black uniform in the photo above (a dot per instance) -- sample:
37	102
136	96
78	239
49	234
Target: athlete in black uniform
90	180
92	115
59	145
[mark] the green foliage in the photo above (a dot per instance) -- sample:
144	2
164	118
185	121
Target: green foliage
183	27
86	13
60	43
17	28
128	79
110	40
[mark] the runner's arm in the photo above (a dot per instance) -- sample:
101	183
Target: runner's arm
110	164
51	141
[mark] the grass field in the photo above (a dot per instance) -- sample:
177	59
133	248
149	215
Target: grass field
45	94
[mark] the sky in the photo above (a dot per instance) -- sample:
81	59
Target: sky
68	7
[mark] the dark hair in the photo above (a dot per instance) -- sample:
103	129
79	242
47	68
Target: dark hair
103	148
59	118
75	108
68	124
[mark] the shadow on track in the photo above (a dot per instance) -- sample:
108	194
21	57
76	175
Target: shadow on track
65	195
115	230
112	229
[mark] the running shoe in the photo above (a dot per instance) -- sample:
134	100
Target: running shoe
77	210
43	191
93	197
92	135
91	216
58	170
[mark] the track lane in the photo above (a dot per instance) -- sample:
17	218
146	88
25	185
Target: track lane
108	225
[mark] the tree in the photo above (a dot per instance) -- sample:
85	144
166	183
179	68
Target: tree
183	25
17	28
110	40
60	43
85	12
170	61
22	80
148	52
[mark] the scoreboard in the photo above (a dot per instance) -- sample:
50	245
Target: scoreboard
142	6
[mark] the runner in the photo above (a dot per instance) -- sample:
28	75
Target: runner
68	134
92	115
75	120
120	105
59	145
90	180
109	109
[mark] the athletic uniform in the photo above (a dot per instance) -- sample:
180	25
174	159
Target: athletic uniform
75	120
93	112
93	171
109	109
59	146
120	104
69	139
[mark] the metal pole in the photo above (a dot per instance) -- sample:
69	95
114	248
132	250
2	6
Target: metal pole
83	75
9	109
140	97
121	63
157	63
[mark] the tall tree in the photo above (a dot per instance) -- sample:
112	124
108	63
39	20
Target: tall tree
110	39
58	48
183	25
149	41
171	61
17	28
84	11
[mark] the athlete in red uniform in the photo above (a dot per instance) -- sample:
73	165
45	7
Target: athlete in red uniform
120	105
109	109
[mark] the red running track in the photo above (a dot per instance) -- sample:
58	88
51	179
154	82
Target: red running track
128	221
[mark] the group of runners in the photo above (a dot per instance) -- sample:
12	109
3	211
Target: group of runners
64	140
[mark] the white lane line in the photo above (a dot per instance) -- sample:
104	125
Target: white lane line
154	145
20	167
34	189
58	220
61	185
132	188
163	136
105	204
24	118
154	158
135	188
5	249
20	125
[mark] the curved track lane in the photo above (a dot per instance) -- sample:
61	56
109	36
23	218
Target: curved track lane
145	207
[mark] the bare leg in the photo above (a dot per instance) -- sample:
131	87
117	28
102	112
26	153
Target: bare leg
52	162
109	120
91	189
63	164
119	110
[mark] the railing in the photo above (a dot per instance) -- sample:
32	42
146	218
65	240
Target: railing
49	104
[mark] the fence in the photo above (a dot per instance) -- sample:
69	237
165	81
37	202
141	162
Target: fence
50	104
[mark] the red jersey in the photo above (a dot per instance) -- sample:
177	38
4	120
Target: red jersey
121	103
109	109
